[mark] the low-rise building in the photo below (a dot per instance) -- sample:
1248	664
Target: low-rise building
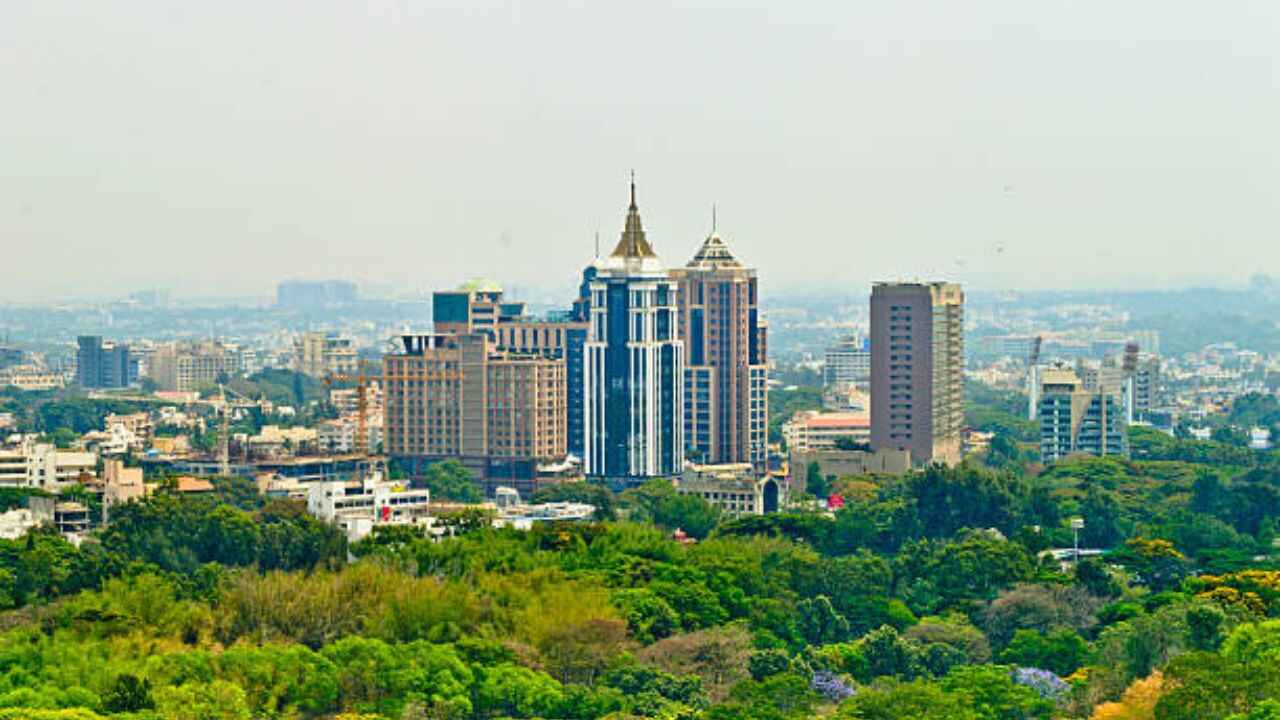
358	506
27	462
274	441
844	463
1260	438
120	485
524	517
338	436
31	377
812	430
733	488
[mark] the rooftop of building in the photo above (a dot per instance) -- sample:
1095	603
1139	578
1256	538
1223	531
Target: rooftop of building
836	419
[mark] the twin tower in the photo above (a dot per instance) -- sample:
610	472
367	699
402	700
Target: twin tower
674	361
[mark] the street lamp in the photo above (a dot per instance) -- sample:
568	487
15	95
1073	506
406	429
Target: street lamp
1077	524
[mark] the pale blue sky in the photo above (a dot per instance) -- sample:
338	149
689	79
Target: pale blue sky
215	147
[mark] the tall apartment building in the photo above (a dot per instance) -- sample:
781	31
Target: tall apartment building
917	369
1078	419
848	362
183	367
103	364
457	396
1145	386
634	365
481	307
726	376
319	355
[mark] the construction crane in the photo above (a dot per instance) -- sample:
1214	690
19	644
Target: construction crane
224	425
362	380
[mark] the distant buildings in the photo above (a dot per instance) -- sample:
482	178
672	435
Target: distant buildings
1075	418
848	363
182	367
917	369
103	364
635	363
315	295
321	355
726	373
10	356
30	377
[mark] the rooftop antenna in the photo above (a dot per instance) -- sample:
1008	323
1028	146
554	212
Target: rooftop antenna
633	187
713	218
597	244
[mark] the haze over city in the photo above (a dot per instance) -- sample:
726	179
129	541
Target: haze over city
214	148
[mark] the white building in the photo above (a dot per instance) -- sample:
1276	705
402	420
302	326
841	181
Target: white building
1260	438
338	436
358	507
26	462
524	517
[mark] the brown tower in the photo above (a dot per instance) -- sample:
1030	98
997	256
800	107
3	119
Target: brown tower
917	369
725	382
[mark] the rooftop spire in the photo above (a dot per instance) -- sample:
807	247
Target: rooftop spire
714	253
633	244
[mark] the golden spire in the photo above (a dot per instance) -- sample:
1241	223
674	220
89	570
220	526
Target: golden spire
633	244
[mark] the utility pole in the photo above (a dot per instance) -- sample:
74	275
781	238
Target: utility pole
1077	524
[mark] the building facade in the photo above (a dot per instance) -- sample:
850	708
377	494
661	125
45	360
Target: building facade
182	367
103	364
481	307
634	365
320	355
457	396
848	362
811	430
26	462
726	376
735	488
1077	419
917	369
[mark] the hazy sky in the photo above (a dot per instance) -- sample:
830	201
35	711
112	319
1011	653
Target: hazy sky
216	147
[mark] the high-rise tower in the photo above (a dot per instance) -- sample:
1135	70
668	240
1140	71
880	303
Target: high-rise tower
725	379
634	365
917	369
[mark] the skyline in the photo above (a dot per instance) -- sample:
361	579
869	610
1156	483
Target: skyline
215	150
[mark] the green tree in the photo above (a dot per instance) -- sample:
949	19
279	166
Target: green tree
1061	651
450	480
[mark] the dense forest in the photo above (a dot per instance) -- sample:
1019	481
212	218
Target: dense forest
929	596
